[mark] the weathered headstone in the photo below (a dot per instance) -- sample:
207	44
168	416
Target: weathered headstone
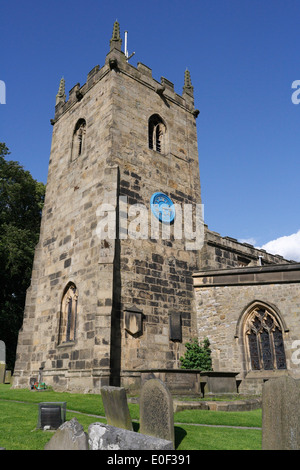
2	361
7	379
2	352
106	437
281	414
156	410
69	436
116	407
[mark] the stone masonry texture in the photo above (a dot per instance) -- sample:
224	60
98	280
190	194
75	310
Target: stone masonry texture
222	298
111	276
136	300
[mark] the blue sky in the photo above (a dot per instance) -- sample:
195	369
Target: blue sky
243	56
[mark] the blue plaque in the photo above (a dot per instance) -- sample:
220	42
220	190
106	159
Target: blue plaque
162	207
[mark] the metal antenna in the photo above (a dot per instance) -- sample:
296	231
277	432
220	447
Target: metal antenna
126	51
125	47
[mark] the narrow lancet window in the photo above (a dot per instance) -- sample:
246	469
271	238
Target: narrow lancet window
78	139
68	314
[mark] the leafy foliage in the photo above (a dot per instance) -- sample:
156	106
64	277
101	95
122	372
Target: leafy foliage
21	203
197	355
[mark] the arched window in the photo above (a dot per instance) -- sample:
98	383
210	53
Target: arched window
68	314
157	134
78	139
263	339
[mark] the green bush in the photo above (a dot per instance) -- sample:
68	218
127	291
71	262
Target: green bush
197	355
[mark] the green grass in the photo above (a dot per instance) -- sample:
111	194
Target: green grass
224	418
205	438
19	413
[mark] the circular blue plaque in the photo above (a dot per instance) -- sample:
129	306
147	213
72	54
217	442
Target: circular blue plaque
162	207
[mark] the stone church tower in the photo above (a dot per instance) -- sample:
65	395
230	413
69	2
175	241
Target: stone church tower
102	308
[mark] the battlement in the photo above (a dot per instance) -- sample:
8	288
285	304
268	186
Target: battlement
227	252
117	61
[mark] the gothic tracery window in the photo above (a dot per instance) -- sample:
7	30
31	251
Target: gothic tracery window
264	340
68	314
157	134
78	139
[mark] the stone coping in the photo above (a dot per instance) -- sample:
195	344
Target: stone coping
215	405
143	371
247	404
216	373
275	274
211	373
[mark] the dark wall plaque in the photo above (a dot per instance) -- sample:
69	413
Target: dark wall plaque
175	326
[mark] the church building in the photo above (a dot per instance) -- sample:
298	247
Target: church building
125	271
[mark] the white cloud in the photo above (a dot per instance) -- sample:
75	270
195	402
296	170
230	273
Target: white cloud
287	246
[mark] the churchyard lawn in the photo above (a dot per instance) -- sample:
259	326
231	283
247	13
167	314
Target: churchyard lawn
194	429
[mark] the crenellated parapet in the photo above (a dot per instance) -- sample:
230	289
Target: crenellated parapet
116	61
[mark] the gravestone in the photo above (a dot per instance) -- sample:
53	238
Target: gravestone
106	437
116	407
69	436
2	362
51	414
156	410
7	379
281	414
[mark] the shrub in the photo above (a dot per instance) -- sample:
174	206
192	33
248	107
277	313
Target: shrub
197	355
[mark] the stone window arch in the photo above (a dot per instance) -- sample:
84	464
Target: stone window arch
68	314
263	338
78	141
157	134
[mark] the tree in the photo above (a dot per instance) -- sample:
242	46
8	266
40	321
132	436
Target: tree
197	355
21	203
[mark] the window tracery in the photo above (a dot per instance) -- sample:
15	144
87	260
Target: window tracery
264	340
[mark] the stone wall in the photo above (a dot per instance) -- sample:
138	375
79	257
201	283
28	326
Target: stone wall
222	298
154	275
111	276
226	252
69	250
135	299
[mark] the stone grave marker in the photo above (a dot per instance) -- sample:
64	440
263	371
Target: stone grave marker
106	437
156	410
69	436
2	361
281	414
7	379
116	407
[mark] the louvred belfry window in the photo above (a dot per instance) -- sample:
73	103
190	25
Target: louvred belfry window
264	340
157	134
